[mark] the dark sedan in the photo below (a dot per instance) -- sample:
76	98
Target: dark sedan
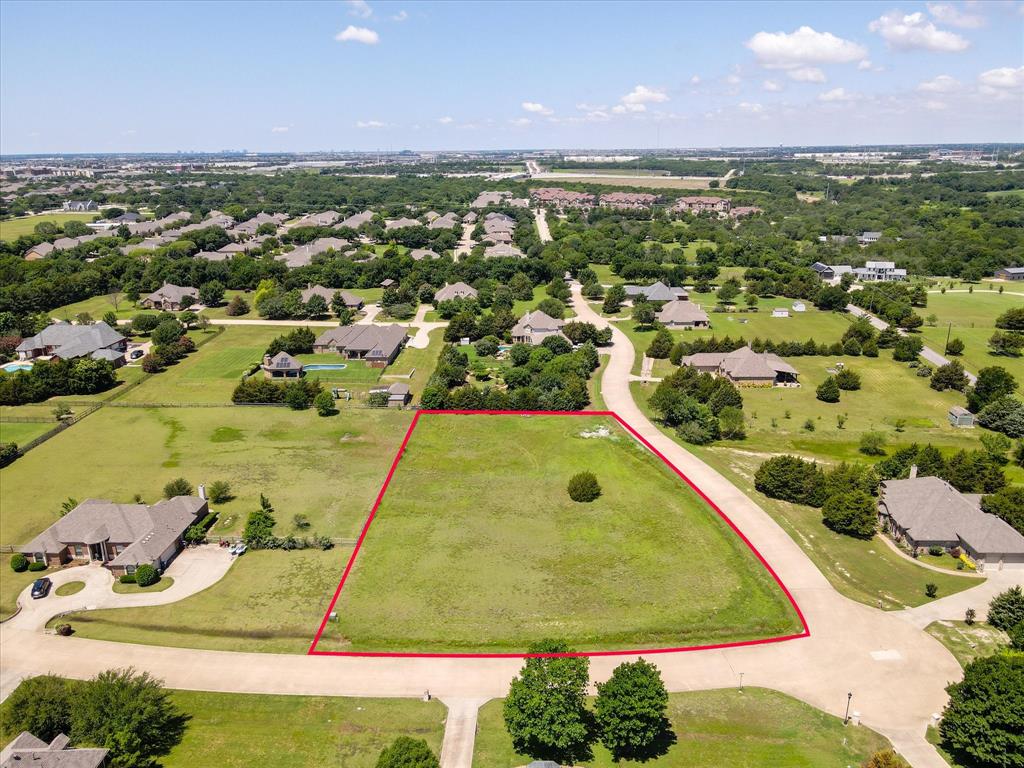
41	587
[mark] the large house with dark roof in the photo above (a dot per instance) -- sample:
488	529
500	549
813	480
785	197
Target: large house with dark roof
534	327
119	536
744	366
683	314
65	341
656	292
171	298
928	511
378	345
28	751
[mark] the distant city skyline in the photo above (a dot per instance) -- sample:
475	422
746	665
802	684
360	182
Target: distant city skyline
363	76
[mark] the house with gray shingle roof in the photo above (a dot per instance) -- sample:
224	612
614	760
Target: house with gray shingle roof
171	297
418	254
656	292
40	251
683	314
744	366
401	223
455	291
448	221
928	511
67	342
534	327
119	536
503	250
27	750
356	220
378	345
281	366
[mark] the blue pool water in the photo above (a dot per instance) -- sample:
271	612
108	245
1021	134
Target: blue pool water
15	367
324	367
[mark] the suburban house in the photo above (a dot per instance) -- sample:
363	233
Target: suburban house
867	238
928	511
960	417
744	366
324	219
27	750
40	251
745	210
1004	273
561	198
486	199
327	294
65	341
81	206
398	393
683	314
880	272
455	291
419	254
356	220
302	256
378	345
150	244
503	250
700	204
119	536
281	366
448	221
214	255
656	292
170	297
401	223
628	200
830	273
534	327
149	227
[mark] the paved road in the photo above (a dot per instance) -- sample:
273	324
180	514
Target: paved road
542	225
927	353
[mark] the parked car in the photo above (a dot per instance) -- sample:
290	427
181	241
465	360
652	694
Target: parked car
41	587
135	354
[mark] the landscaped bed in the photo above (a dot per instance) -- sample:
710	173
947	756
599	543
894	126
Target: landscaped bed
477	547
132	589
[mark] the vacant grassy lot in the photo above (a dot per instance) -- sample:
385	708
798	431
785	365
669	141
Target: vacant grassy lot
240	730
647	564
328	469
866	571
724	728
12	229
98	306
11	585
968	643
23	432
973	318
270	602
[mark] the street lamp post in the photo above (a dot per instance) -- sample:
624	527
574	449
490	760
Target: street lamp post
846	719
741	681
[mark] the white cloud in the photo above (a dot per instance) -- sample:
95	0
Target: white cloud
371	124
520	122
836	94
1003	77
864	64
359	8
771	86
940	84
781	50
913	31
129	132
537	108
733	79
695	80
806	75
622	109
353	34
747	106
949	14
935	106
644	95
400	16
585	107
280	129
446	120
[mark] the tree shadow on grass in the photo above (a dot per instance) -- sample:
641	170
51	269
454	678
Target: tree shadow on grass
664	741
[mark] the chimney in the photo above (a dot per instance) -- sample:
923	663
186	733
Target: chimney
266	360
913	472
202	491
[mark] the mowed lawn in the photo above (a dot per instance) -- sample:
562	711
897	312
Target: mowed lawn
328	469
724	729
12	229
973	318
24	431
98	306
968	642
269	602
477	547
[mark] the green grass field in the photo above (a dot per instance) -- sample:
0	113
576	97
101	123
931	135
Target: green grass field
493	555
355	372
968	643
23	432
98	306
11	585
269	602
723	728
328	469
973	318
12	229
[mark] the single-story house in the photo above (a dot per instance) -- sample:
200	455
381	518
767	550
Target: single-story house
398	393
171	297
327	294
402	223
119	536
418	254
27	750
928	511
503	250
356	220
40	251
683	314
324	219
66	342
534	327
448	221
744	366
214	255
455	291
960	417
656	292
866	238
127	218
302	256
281	366
1005	273
378	345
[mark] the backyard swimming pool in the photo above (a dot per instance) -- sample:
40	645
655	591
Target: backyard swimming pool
324	367
16	366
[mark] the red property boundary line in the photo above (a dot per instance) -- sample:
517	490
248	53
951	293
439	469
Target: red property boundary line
633	652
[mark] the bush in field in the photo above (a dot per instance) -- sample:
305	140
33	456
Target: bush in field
19	563
177	487
406	752
583	487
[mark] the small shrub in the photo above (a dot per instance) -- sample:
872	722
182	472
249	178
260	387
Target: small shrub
828	390
36	567
146	575
872	444
970	615
935	551
127	578
177	487
809	425
960	565
19	563
583	487
64	630
930	589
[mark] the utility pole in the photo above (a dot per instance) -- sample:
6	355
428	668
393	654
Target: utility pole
949	330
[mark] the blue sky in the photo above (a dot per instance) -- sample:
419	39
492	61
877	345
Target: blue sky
152	76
